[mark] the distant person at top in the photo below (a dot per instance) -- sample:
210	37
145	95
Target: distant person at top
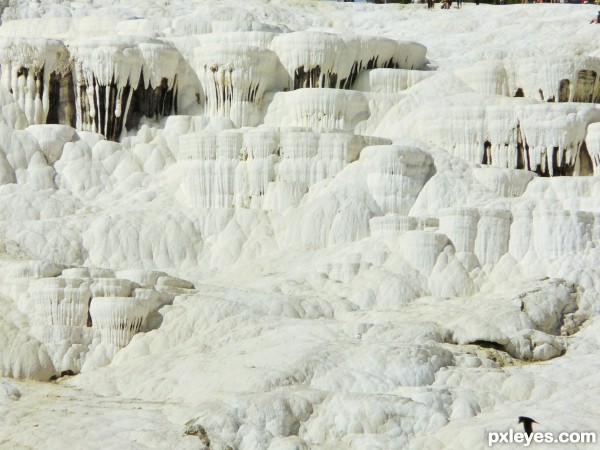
458	3
430	4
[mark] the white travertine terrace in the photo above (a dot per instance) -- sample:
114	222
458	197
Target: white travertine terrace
34	71
391	226
421	249
395	175
61	301
492	238
541	137
556	233
389	80
460	225
270	168
294	226
235	78
561	78
479	231
111	287
109	74
504	182
321	109
316	59
60	319
119	318
260	39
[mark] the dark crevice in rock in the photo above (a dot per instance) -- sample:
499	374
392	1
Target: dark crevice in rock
89	316
522	158
586	165
307	79
584	87
151	102
61	95
564	91
487	157
23	71
558	165
488	344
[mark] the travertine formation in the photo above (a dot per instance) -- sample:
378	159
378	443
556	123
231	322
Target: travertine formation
293	226
266	167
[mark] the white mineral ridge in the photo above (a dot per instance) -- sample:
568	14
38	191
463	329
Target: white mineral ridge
297	224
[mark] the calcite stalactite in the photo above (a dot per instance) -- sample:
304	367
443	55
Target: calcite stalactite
546	138
229	145
299	150
324	60
264	168
560	78
60	319
37	73
336	151
235	78
201	149
262	150
61	301
592	140
118	82
118	318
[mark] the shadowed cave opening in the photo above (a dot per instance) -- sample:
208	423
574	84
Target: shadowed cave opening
488	344
586	88
564	91
61	99
151	102
581	166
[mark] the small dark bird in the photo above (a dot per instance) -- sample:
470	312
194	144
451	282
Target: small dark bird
527	424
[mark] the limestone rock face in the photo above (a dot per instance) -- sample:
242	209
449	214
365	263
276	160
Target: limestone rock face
118	81
235	78
323	60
